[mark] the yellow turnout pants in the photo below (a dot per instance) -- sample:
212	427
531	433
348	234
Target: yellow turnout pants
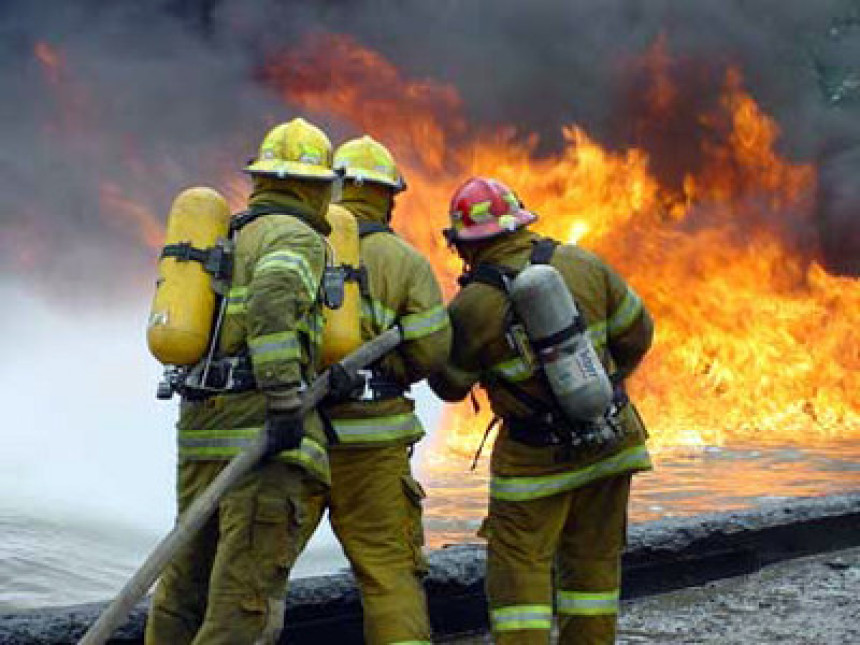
228	585
581	533
374	507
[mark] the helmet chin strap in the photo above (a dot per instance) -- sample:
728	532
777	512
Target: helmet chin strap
466	252
390	212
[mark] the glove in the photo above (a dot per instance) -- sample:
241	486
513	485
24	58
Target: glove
284	420
343	384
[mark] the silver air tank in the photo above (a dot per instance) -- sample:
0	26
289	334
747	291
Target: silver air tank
558	336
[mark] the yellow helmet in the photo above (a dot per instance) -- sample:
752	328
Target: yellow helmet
365	159
294	149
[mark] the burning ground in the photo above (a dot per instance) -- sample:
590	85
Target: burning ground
689	146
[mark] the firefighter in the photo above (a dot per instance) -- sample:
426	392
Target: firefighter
228	584
557	504
374	503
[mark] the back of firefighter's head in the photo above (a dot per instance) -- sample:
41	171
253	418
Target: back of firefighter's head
295	159
484	210
370	176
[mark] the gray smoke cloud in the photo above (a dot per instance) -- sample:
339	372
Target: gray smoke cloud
146	98
839	209
107	103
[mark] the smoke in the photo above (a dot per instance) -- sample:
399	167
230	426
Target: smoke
87	445
109	109
598	63
542	64
117	106
839	209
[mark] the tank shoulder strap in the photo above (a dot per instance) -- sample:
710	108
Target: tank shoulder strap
369	228
242	219
491	274
359	274
497	276
543	250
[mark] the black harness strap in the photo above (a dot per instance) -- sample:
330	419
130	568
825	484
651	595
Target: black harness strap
543	250
356	274
498	276
351	273
577	327
244	218
545	426
359	274
184	252
494	422
531	402
366	228
328	427
216	260
491	274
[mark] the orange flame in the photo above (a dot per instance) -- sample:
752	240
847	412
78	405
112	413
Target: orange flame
76	124
332	75
755	341
129	212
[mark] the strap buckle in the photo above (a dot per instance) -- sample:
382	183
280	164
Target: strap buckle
232	374
216	260
367	392
377	387
359	275
184	252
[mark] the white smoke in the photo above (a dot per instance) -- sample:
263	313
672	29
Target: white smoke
87	446
83	432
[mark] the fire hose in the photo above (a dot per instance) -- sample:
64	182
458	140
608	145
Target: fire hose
205	505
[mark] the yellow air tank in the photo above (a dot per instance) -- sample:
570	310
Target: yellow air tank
342	332
181	318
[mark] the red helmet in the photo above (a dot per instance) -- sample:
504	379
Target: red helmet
483	208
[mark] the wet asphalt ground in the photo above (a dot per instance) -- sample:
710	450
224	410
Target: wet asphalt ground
807	601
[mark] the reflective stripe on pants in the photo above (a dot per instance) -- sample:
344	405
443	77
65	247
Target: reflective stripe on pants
399	428
587	603
532	488
226	443
582	533
519	617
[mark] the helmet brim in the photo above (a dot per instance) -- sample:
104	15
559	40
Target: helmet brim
282	169
374	178
492	229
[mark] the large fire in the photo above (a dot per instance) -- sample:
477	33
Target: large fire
755	342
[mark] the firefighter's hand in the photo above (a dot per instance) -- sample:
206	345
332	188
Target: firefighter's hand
451	383
284	420
344	384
